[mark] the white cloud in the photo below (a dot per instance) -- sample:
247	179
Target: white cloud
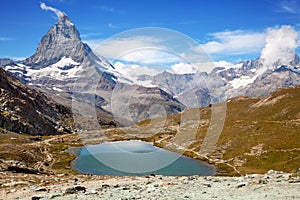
280	45
183	68
236	42
134	70
289	6
59	13
190	68
5	39
150	56
138	49
106	8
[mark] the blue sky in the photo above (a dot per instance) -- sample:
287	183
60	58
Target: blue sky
229	30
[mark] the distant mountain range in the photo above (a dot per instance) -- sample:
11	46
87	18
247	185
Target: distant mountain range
248	78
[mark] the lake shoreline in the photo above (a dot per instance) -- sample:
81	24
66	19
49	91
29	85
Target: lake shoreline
209	168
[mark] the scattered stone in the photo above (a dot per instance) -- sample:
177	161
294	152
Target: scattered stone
55	195
12	190
252	175
60	175
294	181
36	198
191	178
104	186
241	184
285	176
93	191
262	181
75	181
34	187
41	189
70	190
73	190
80	188
126	188
207	184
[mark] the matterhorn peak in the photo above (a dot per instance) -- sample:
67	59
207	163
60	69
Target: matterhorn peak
61	41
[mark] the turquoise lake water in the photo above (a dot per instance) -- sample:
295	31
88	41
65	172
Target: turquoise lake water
136	158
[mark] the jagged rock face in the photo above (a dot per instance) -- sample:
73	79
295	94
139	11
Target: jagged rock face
24	110
280	78
62	39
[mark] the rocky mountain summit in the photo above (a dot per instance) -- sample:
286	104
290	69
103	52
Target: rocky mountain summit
25	110
63	40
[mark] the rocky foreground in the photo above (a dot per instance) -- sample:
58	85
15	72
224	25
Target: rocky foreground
273	185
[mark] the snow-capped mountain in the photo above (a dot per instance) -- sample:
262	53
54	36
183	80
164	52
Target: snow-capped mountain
63	38
63	66
60	56
226	80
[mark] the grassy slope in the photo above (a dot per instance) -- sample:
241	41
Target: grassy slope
259	133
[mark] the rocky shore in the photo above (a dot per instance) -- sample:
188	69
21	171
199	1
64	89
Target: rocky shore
273	185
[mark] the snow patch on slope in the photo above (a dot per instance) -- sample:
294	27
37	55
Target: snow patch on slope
57	70
246	80
65	62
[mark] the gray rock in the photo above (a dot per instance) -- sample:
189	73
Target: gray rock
207	184
36	198
41	189
73	190
55	196
240	185
262	181
93	191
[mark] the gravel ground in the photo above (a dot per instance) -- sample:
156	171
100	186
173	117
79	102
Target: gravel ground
274	185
